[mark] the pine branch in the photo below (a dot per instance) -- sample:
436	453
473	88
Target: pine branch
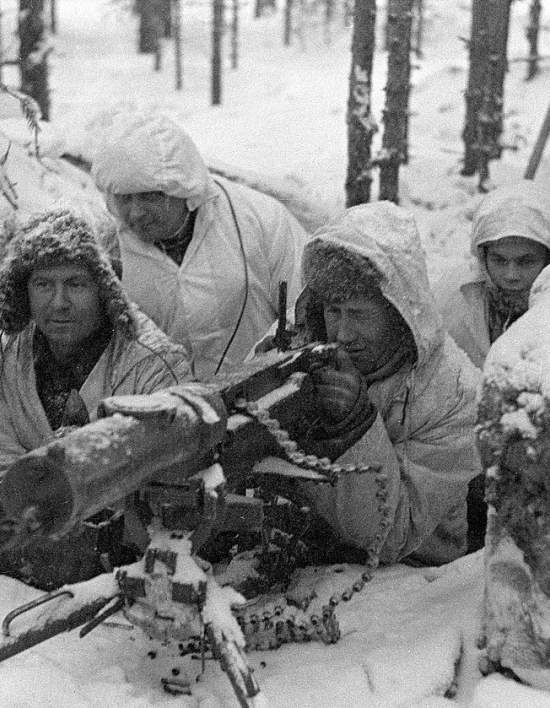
30	110
7	187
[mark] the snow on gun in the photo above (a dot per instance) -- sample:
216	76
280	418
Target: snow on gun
514	440
164	444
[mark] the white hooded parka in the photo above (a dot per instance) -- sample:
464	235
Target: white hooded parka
423	436
244	243
461	295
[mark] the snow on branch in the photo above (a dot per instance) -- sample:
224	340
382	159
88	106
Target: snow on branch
29	108
513	438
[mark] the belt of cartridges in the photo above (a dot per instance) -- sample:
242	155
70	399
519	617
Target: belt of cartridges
330	471
265	623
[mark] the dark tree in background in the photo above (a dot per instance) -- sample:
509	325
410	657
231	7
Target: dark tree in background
418	27
261	5
33	54
491	118
532	33
53	17
2	57
175	25
485	92
361	124
287	22
329	16
396	111
151	25
217	34
478	59
166	18
235	35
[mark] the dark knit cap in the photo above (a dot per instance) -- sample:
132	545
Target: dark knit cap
333	273
55	238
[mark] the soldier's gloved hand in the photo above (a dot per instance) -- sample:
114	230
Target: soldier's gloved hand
336	389
336	403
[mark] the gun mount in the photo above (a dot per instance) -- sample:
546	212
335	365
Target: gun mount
163	439
183	449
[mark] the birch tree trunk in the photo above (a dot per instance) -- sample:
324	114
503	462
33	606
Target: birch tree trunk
396	112
532	33
361	124
33	54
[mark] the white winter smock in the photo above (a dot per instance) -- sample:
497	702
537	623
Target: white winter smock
144	364
423	436
461	295
244	243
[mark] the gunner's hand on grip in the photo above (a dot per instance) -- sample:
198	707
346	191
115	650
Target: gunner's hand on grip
336	387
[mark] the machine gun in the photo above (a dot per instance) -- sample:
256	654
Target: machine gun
182	447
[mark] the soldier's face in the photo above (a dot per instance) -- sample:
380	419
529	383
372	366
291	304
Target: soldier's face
152	216
368	327
514	262
65	306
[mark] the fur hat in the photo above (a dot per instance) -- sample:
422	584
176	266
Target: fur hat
54	238
333	273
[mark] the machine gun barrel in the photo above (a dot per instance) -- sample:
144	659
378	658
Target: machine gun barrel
49	490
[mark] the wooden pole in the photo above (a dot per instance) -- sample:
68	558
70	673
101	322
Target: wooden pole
538	148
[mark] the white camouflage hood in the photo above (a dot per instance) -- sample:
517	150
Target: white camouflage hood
151	153
521	209
383	239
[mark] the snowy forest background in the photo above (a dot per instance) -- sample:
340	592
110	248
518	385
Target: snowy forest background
281	125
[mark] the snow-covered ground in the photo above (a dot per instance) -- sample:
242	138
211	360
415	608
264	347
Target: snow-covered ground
283	116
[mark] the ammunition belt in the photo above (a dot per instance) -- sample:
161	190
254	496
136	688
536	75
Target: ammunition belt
291	452
267	624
